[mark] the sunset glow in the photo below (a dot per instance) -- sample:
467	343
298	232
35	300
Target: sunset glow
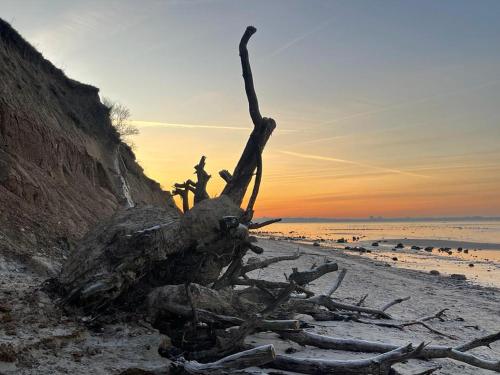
381	110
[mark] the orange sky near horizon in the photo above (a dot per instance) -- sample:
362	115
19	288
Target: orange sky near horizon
311	185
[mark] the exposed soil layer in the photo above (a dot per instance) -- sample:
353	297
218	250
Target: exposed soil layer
63	167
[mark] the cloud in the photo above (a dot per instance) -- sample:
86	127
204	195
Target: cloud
344	161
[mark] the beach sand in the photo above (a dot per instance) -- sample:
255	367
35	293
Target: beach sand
474	311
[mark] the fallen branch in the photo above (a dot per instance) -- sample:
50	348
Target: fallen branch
263	224
228	365
233	339
226	321
305	277
380	364
265	284
395	302
339	280
334	305
267	262
428	352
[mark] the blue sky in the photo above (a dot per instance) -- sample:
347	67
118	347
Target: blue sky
368	95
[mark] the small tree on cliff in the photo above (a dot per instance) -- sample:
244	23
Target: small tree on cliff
120	119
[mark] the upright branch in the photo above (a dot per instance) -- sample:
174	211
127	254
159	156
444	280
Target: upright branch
251	158
198	188
202	177
183	189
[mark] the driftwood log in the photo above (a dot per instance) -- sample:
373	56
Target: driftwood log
457	353
122	260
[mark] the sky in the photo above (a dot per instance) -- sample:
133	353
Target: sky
383	108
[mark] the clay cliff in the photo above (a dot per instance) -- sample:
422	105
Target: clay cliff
63	167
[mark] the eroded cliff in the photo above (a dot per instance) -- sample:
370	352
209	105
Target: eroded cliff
63	167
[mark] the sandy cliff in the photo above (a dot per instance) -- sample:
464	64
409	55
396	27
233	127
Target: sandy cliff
62	165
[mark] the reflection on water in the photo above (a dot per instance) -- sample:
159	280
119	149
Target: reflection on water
477	231
479	258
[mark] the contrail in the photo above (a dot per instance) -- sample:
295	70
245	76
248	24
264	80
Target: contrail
326	158
298	39
186	126
160	124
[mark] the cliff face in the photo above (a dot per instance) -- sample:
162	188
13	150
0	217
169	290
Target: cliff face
62	165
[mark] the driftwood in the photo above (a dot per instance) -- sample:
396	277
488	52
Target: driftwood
202	177
380	364
253	357
334	305
428	352
228	365
263	224
305	277
267	262
226	321
263	128
402	325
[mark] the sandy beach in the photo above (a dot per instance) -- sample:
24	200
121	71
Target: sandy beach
473	310
55	342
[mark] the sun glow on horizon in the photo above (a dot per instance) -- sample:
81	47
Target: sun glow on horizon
381	110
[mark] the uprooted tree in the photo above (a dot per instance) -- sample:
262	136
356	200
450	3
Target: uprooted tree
168	265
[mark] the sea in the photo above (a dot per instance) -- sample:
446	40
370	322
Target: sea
470	248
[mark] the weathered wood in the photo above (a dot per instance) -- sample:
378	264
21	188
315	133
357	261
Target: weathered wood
339	280
305	277
428	352
226	175
253	357
263	128
334	305
226	321
202	177
263	224
267	262
270	285
402	325
232	272
379	365
182	190
395	302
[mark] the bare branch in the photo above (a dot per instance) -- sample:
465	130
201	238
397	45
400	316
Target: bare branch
335	286
253	103
202	177
263	224
263	127
267	262
305	277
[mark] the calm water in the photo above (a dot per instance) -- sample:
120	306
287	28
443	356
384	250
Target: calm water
481	238
484	231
